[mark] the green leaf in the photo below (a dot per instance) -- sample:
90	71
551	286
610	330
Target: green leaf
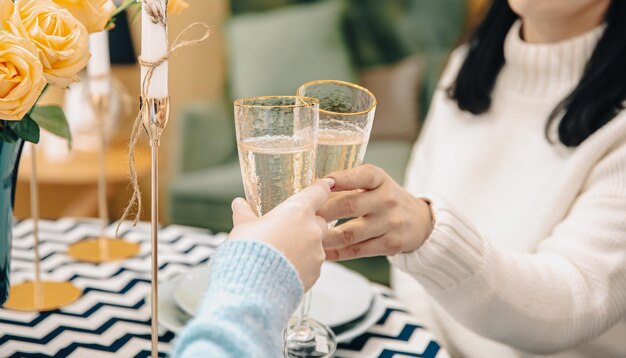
27	129
135	15
127	4
52	119
7	135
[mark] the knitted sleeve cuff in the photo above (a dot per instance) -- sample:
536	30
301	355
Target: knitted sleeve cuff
454	251
256	274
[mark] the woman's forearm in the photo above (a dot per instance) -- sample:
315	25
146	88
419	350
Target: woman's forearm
252	292
572	289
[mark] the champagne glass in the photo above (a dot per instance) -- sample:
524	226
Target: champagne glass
346	117
277	141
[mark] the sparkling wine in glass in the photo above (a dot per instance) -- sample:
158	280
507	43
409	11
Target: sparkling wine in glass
274	168
346	117
337	150
277	142
345	122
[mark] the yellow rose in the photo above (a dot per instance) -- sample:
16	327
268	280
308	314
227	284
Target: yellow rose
21	77
176	7
62	40
94	14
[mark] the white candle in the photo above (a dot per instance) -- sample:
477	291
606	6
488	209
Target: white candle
99	66
154	47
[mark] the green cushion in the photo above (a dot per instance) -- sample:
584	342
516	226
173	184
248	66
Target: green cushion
202	198
392	156
273	52
376	269
208	136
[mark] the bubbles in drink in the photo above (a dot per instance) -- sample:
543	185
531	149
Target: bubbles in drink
339	150
274	168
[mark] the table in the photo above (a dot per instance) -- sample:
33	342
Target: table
112	319
68	186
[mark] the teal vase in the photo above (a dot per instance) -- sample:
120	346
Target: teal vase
9	161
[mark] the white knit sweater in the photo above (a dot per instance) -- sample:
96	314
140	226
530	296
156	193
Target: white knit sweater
528	252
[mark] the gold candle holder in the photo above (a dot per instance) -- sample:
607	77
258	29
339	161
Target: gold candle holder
39	295
155	114
103	248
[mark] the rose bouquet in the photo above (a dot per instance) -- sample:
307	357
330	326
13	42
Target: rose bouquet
42	43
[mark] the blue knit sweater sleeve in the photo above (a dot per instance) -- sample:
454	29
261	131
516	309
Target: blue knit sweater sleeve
252	292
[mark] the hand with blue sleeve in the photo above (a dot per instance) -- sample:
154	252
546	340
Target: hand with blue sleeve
258	277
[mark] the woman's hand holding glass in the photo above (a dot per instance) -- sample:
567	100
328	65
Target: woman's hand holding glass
293	228
387	219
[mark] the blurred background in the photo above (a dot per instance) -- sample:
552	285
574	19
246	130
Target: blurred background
396	48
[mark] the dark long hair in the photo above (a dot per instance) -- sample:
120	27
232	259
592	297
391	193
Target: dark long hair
597	99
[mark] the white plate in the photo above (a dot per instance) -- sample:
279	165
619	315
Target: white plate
339	296
174	319
376	312
191	288
170	316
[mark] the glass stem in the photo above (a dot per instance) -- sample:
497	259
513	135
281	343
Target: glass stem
102	183
34	209
102	189
305	308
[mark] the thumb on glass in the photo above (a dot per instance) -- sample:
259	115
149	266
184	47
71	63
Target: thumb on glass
242	211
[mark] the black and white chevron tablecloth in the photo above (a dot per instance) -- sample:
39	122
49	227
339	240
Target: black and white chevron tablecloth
111	319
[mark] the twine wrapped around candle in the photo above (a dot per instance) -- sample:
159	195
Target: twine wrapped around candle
135	200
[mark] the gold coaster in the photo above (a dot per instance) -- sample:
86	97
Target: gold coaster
97	250
51	295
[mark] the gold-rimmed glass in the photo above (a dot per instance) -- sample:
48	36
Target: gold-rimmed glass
347	114
276	141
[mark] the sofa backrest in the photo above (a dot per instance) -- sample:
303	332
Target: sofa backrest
273	52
